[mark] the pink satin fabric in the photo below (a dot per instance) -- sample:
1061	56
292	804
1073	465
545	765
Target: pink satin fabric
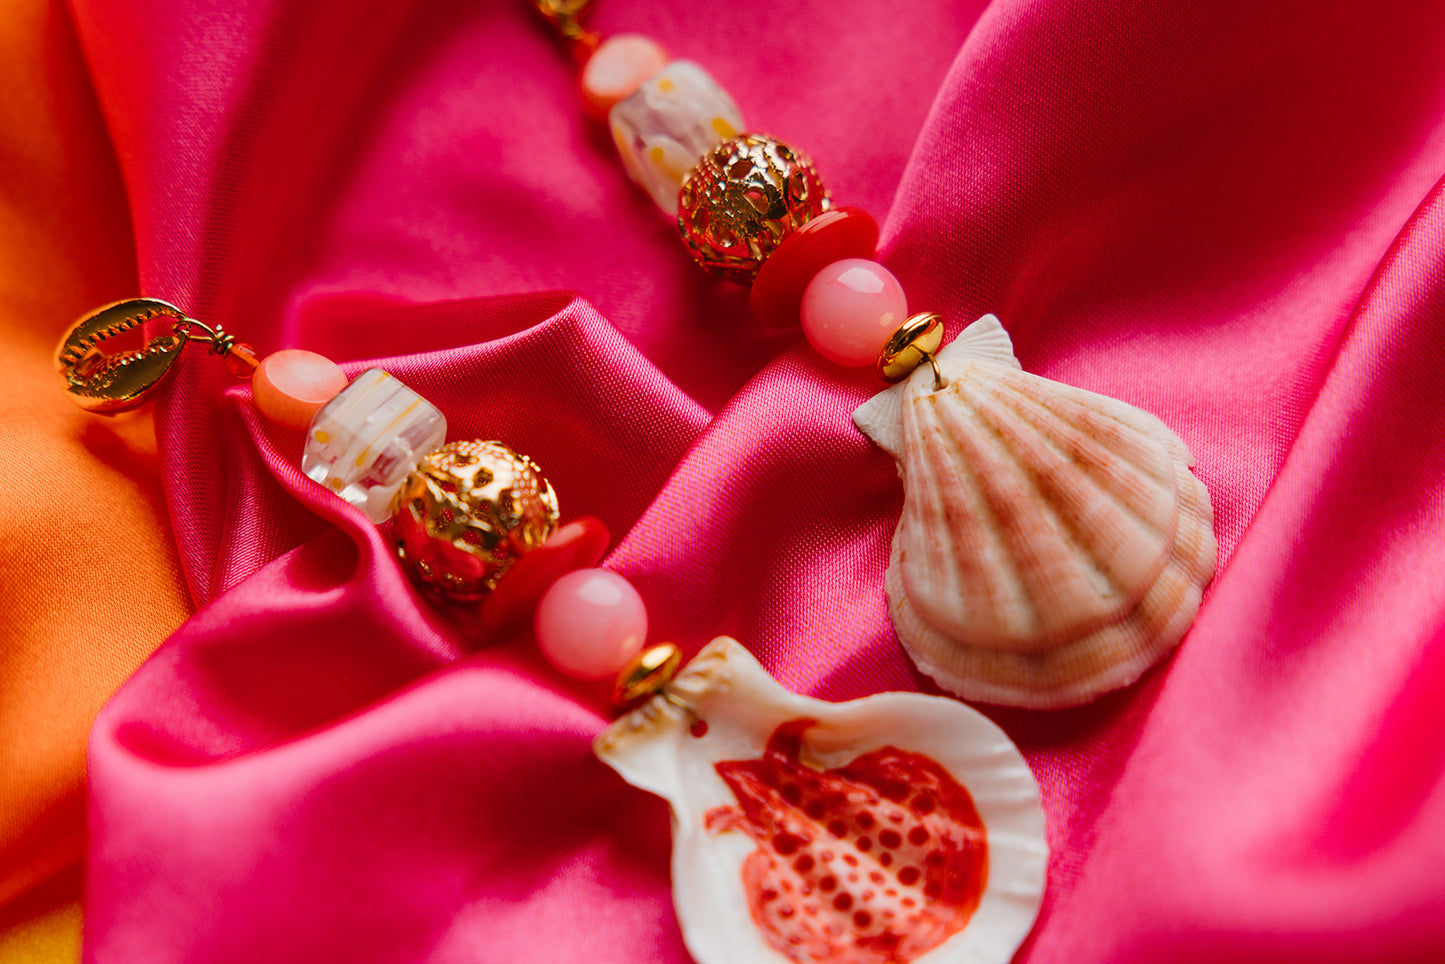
1229	214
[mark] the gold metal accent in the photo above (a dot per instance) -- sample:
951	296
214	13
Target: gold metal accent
220	340
565	16
467	513
915	341
744	197
105	382
646	675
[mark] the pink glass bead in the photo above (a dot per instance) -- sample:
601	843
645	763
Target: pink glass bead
576	545
289	386
618	67
831	236
590	623
850	309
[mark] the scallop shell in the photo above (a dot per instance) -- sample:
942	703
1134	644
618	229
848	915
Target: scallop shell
893	828
1053	544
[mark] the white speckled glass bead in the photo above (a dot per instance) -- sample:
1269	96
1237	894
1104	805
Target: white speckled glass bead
672	120
363	442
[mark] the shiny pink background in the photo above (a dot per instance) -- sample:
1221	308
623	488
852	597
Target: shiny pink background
1227	213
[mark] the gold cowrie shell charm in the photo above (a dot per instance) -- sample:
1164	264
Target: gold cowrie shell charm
104	382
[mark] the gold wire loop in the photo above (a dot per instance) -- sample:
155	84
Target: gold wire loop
679	702
938	383
220	341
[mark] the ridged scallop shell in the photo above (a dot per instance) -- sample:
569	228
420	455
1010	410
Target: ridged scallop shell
795	841
1053	544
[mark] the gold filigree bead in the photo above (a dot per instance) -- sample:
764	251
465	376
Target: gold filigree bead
467	513
744	197
914	342
646	674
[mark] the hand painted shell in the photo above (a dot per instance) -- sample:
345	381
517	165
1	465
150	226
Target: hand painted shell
1053	545
870	832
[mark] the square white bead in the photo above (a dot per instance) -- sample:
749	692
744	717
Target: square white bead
668	124
363	442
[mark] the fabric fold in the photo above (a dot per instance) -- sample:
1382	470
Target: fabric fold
1182	206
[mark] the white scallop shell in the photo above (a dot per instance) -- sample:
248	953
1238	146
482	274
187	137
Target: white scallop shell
654	747
1053	544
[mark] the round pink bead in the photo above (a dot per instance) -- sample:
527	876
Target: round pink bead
590	623
850	309
291	385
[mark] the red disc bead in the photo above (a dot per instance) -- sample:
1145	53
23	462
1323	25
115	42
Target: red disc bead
829	237
577	545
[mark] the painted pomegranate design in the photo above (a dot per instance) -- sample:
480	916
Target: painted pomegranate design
872	863
894	828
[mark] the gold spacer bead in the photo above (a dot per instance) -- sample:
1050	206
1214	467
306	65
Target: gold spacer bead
915	341
646	674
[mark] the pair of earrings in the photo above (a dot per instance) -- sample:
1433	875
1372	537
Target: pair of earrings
1053	545
884	828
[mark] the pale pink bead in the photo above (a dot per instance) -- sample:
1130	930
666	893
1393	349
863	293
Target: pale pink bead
291	385
619	66
590	623
850	309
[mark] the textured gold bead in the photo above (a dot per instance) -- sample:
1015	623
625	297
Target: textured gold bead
743	198
467	513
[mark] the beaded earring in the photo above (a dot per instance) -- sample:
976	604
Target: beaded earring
465	514
876	830
1054	543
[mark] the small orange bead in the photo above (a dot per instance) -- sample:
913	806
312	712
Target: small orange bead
618	67
290	386
242	360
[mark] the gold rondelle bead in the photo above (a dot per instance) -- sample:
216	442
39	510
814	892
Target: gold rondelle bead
913	343
744	197
646	674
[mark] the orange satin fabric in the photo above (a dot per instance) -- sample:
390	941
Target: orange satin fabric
88	575
43	925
